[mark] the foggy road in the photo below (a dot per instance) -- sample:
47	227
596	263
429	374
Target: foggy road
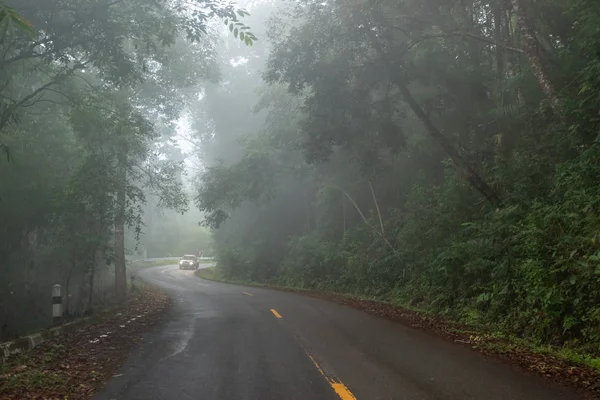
231	342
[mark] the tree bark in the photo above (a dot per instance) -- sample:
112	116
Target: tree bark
497	10
343	218
308	216
101	213
120	267
532	52
90	306
67	297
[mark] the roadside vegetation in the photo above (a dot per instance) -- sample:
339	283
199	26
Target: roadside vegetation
210	273
432	155
442	156
76	364
90	172
154	263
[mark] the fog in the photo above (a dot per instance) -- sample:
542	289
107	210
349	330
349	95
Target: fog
436	155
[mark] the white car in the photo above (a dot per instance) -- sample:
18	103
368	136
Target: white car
188	262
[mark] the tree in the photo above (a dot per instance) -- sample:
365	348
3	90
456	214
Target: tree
360	179
68	36
88	92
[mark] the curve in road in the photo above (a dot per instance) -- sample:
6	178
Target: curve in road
227	342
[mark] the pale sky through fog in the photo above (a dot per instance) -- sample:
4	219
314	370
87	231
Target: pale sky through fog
184	129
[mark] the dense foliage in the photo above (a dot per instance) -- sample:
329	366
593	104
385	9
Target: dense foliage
441	154
89	95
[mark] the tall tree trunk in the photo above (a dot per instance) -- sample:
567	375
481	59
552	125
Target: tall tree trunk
120	267
308	216
90	306
498	24
465	169
97	251
537	65
67	295
343	218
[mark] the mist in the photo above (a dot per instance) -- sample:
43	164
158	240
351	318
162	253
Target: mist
439	156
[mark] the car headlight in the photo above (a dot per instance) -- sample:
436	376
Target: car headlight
181	262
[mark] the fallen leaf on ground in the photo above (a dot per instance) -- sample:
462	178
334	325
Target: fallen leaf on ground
74	365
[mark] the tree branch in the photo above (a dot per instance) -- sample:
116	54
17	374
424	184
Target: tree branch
26	101
367	221
464	35
377	207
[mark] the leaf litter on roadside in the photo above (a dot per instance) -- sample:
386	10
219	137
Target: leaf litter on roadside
76	364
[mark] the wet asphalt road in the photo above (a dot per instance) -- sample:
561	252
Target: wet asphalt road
227	342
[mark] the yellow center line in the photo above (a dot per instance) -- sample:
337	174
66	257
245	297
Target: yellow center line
340	389
318	366
274	311
247	294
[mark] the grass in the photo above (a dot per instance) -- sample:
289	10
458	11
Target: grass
212	274
35	378
23	371
207	273
155	263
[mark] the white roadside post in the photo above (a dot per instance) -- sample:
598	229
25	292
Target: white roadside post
56	305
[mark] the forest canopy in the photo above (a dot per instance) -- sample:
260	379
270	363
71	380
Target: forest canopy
442	155
90	95
437	154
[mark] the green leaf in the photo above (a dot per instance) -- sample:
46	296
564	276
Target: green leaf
9	15
230	27
572	279
573	253
483	297
235	32
242	36
4	149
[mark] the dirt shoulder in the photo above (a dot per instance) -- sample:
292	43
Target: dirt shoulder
549	363
75	365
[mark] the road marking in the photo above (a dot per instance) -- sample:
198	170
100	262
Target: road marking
274	311
248	294
317	365
342	391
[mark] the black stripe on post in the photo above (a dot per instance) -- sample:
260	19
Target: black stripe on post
56	304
